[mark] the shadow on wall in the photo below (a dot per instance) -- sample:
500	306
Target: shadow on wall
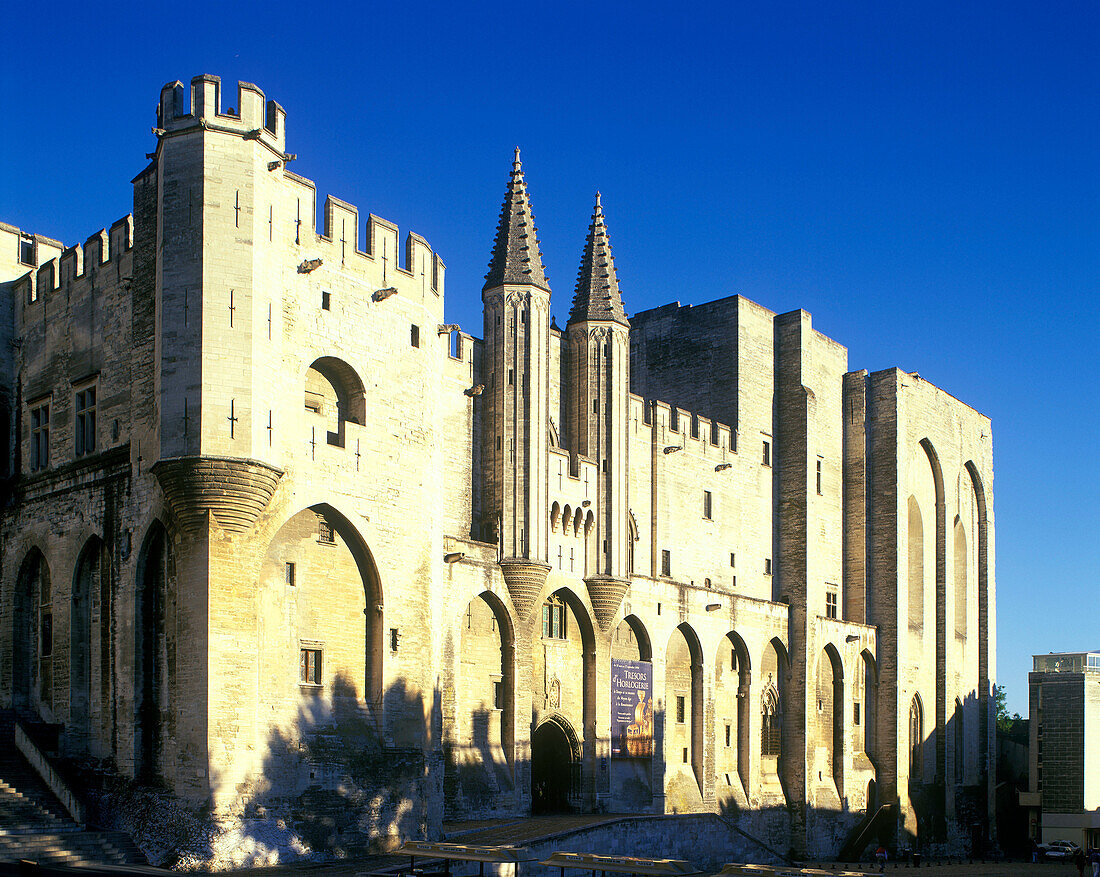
944	776
343	786
329	784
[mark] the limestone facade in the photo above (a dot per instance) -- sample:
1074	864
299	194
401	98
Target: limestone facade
261	495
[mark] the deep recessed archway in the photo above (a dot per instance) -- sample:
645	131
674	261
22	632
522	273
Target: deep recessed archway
555	768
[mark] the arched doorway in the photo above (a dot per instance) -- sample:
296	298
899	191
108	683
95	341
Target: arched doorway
555	770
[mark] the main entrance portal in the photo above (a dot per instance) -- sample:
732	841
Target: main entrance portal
555	772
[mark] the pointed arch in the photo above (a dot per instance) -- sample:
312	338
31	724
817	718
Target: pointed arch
684	701
940	596
961	565
634	639
85	699
916	578
32	633
916	739
830	714
732	674
295	542
774	668
631	537
870	704
485	688
156	573
334	390
985	700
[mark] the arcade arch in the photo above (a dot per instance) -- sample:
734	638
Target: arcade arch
684	705
731	717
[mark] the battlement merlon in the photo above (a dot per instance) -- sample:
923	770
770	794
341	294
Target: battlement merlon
694	431
341	224
79	262
255	115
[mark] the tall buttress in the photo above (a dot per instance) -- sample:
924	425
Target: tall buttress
516	301
598	335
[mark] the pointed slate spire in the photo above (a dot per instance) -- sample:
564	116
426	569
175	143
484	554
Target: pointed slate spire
597	296
516	254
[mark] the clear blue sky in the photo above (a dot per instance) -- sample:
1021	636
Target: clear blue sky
921	177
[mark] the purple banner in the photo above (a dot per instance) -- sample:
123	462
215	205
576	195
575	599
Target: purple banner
631	709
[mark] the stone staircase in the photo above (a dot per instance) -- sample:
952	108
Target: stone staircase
35	827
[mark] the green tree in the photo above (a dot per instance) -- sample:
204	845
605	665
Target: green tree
1005	723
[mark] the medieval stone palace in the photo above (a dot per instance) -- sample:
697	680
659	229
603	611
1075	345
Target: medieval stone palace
272	526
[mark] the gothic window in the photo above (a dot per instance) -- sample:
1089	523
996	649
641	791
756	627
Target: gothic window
553	619
771	725
916	737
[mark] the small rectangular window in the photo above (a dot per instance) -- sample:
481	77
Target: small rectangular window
666	562
309	667
767	566
40	436
728	735
325	534
830	604
290	574
855	712
26	251
595	406
85	438
511	377
498	695
680	709
708	507
394	637
766	459
819	478
733	559
685	756
326	300
414	335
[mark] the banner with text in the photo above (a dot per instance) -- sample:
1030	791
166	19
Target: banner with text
631	709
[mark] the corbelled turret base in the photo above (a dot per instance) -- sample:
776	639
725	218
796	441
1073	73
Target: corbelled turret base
235	490
525	580
607	595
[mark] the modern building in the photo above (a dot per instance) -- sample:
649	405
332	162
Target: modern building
266	508
1064	788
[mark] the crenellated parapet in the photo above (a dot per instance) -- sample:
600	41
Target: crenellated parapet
201	106
78	267
381	249
684	430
